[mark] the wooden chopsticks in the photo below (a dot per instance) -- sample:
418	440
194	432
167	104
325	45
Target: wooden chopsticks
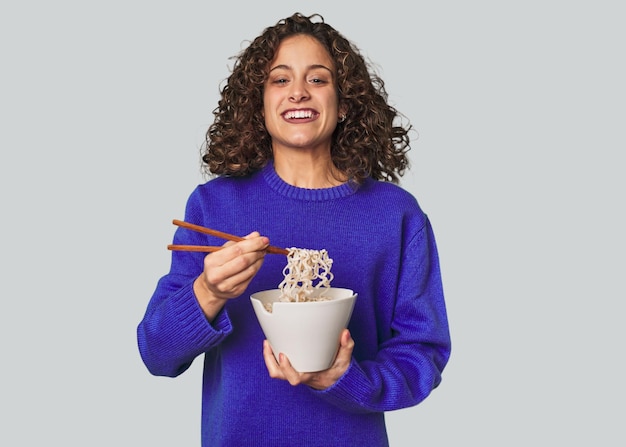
220	234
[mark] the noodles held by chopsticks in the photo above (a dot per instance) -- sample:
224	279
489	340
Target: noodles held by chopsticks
306	271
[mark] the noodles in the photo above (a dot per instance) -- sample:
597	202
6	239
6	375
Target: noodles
303	268
306	271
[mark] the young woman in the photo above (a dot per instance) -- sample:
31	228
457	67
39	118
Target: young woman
306	152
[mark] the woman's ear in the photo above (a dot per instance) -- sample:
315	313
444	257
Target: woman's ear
342	114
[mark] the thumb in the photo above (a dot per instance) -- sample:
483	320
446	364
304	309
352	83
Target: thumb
346	346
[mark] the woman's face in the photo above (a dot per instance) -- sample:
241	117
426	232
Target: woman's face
300	103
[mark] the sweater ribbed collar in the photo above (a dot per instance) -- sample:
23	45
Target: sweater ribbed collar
293	192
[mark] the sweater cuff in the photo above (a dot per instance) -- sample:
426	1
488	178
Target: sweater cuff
348	393
197	327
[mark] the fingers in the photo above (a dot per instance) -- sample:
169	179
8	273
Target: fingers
329	377
270	361
346	346
289	374
228	271
253	244
282	368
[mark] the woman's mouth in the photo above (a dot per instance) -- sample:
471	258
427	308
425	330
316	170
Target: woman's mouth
302	114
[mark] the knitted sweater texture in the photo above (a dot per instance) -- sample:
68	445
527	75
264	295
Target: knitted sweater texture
383	248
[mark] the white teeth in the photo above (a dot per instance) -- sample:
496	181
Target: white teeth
299	114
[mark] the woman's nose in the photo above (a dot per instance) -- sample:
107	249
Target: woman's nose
298	91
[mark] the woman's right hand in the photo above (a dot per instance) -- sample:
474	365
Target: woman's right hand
228	272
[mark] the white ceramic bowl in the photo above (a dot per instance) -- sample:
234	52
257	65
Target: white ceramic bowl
306	332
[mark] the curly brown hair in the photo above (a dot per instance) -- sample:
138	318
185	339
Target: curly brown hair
369	142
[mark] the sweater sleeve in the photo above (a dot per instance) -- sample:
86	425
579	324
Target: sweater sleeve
174	330
409	364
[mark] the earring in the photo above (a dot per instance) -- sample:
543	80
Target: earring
342	118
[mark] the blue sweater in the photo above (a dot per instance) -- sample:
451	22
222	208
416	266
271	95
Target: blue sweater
382	247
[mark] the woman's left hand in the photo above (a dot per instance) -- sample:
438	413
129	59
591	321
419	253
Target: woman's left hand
319	380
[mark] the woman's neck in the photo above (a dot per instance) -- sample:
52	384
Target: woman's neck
307	170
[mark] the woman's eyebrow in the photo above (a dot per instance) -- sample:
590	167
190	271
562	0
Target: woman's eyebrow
310	67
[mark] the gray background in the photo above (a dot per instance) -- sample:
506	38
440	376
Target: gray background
520	109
